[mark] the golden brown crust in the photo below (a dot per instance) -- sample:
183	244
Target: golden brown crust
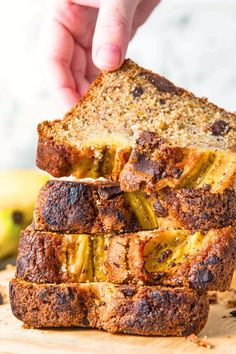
43	258
198	209
83	207
136	98
56	158
129	309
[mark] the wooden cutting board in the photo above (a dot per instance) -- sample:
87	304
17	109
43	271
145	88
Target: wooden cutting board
220	331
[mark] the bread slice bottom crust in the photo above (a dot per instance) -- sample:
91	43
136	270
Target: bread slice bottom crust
140	310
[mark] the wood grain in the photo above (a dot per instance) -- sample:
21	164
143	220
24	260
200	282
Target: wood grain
220	331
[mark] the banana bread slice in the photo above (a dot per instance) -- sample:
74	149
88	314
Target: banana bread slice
175	258
130	309
100	206
96	137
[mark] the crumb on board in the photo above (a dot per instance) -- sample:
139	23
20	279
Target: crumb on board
200	342
213	299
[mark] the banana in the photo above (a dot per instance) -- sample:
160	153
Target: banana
10	227
18	193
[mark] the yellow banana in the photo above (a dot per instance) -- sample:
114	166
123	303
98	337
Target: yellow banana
18	193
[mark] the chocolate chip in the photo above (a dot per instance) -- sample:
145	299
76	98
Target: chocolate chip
102	303
109	192
233	313
204	276
144	164
43	295
177	172
159	210
161	83
149	139
162	101
220	127
17	217
61	298
214	259
137	92
128	291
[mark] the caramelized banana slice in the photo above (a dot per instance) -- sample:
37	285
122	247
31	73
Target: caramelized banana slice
98	258
170	249
221	173
102	160
143	210
79	257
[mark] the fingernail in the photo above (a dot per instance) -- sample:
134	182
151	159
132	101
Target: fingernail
108	57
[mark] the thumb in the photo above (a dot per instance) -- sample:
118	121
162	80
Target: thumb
113	32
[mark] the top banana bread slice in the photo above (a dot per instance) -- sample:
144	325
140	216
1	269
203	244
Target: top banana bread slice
96	137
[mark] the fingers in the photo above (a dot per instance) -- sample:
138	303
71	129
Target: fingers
113	32
62	60
78	69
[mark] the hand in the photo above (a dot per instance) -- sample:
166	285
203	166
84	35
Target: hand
81	37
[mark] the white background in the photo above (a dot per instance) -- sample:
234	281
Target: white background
191	42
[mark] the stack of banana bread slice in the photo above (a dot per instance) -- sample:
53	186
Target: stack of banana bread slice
145	224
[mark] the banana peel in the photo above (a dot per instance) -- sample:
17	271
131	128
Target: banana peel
18	193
